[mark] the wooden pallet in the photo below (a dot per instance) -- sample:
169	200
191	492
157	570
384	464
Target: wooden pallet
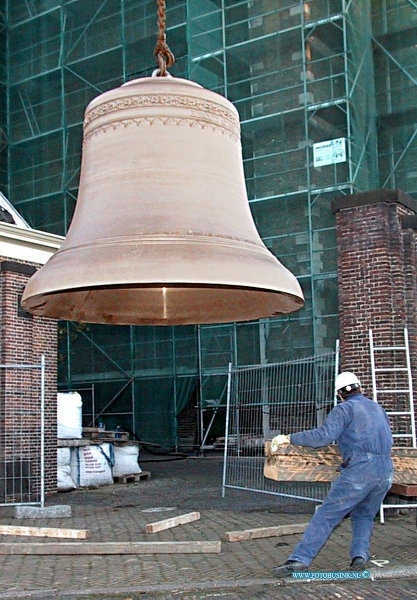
105	435
132	478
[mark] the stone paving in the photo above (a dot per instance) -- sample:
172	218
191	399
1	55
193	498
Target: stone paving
241	571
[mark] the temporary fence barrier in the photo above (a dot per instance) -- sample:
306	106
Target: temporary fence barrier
22	399
266	400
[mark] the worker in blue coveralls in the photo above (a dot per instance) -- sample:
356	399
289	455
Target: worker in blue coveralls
361	429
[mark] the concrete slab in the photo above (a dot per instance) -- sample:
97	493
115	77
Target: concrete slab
46	512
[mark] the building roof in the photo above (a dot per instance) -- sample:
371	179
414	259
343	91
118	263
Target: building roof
8	214
19	241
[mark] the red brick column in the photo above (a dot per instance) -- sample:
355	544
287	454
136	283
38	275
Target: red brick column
24	338
377	275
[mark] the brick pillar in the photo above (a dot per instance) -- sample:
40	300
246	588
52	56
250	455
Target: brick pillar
376	244
24	338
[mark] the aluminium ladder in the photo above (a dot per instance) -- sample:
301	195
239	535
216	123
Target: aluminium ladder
400	368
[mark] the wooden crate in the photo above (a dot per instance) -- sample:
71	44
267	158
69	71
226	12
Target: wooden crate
300	463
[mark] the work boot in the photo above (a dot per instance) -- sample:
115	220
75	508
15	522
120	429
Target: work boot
288	568
358	564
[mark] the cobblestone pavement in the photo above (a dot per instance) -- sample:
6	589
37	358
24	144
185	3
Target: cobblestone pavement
241	571
406	590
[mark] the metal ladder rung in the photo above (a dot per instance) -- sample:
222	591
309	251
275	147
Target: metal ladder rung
390	370
383	348
402	371
397	391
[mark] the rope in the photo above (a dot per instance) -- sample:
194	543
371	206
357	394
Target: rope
162	52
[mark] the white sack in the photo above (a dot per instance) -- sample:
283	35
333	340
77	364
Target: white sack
126	460
92	465
65	482
69	415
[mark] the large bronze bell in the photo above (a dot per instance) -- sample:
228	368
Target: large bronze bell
162	233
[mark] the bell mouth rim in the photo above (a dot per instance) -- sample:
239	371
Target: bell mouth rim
161	286
162	304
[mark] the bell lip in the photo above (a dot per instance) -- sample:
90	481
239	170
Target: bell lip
163	284
101	312
153	286
28	293
243	267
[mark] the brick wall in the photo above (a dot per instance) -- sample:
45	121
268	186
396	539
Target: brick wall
377	267
24	339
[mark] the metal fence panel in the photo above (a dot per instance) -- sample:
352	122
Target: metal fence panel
265	400
22	434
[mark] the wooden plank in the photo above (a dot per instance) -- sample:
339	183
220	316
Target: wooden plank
172	522
98	548
74	443
75	534
263	532
112	436
105	435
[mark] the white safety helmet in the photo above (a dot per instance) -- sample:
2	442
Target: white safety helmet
347	382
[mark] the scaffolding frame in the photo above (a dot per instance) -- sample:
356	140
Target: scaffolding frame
294	67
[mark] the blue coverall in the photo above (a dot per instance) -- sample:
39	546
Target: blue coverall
363	434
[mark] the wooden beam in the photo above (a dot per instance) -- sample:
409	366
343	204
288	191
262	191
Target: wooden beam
98	548
172	522
75	534
263	532
402	489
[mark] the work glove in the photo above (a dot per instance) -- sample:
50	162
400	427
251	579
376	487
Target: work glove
278	440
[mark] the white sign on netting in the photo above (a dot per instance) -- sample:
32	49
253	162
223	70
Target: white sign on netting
329	152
